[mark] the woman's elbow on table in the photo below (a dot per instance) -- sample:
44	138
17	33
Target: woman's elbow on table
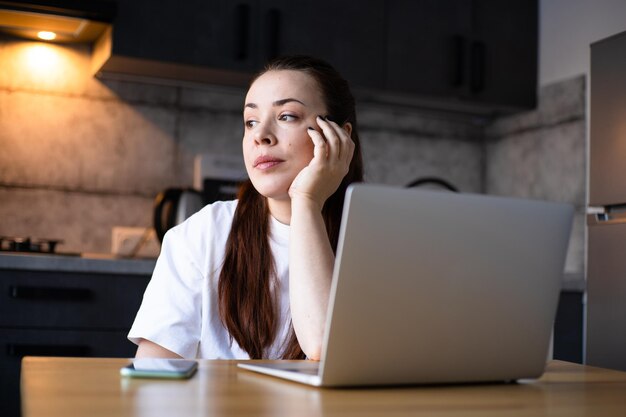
148	349
313	353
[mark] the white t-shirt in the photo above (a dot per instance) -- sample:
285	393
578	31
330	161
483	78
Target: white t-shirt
179	310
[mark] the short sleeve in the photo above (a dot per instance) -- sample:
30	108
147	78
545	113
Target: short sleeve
170	312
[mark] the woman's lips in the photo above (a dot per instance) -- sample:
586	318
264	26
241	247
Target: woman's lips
266	162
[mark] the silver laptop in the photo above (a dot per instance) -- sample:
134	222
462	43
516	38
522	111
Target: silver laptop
434	287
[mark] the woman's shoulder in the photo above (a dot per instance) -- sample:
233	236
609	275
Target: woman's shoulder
211	219
218	211
204	233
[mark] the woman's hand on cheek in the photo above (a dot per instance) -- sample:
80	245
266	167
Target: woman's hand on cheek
332	153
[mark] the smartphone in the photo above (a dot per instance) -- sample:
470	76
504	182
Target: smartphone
160	368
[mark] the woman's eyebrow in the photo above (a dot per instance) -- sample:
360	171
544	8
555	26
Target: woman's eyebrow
285	101
277	103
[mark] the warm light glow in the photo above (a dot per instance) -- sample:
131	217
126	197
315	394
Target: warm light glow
42	60
43	66
46	36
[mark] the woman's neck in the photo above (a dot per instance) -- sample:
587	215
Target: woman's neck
280	209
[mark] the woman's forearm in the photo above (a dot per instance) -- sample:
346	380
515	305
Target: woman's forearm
310	273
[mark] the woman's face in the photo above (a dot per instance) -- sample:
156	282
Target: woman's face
279	108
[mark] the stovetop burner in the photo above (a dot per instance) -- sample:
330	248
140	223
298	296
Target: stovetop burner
29	245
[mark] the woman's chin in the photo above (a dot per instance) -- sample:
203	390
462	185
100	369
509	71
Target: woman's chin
273	191
282	196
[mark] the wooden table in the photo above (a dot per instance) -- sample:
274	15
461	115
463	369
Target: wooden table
93	387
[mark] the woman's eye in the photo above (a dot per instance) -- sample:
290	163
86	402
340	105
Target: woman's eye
287	117
250	123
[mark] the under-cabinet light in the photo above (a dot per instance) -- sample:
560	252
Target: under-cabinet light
46	35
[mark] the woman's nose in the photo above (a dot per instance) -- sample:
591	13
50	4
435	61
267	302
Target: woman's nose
264	136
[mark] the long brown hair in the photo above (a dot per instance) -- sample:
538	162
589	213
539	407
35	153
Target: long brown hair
247	304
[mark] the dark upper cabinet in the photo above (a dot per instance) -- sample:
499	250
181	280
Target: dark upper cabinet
425	46
214	36
505	64
235	40
202	33
348	34
208	41
477	52
473	53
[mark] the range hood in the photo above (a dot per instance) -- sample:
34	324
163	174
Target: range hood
92	22
66	21
105	60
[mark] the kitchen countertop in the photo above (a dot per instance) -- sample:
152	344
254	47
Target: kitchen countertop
105	263
88	262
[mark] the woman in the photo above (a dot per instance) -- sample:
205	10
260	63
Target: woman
251	278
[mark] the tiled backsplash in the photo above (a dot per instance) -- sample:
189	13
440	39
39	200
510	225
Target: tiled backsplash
80	156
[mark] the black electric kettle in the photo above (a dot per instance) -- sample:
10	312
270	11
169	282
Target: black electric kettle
172	206
433	183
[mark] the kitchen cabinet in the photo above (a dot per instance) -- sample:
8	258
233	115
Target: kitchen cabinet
208	33
60	313
503	61
200	41
425	41
212	33
568	326
215	36
348	34
480	52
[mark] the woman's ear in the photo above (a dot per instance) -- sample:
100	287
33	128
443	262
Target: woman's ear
348	128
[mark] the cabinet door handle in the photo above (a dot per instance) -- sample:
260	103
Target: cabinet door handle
242	30
49	293
273	33
477	62
458	57
20	350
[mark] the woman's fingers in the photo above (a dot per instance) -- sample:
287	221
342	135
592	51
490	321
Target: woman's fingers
332	152
339	141
329	137
320	146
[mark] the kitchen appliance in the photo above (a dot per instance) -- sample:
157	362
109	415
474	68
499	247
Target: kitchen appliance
173	205
216	177
433	183
24	244
62	21
606	214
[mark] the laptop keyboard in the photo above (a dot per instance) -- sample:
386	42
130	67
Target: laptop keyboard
304	370
308	368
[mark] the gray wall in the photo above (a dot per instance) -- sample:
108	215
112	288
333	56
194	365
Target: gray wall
541	154
80	155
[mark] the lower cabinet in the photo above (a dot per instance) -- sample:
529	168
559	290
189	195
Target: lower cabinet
50	313
568	327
